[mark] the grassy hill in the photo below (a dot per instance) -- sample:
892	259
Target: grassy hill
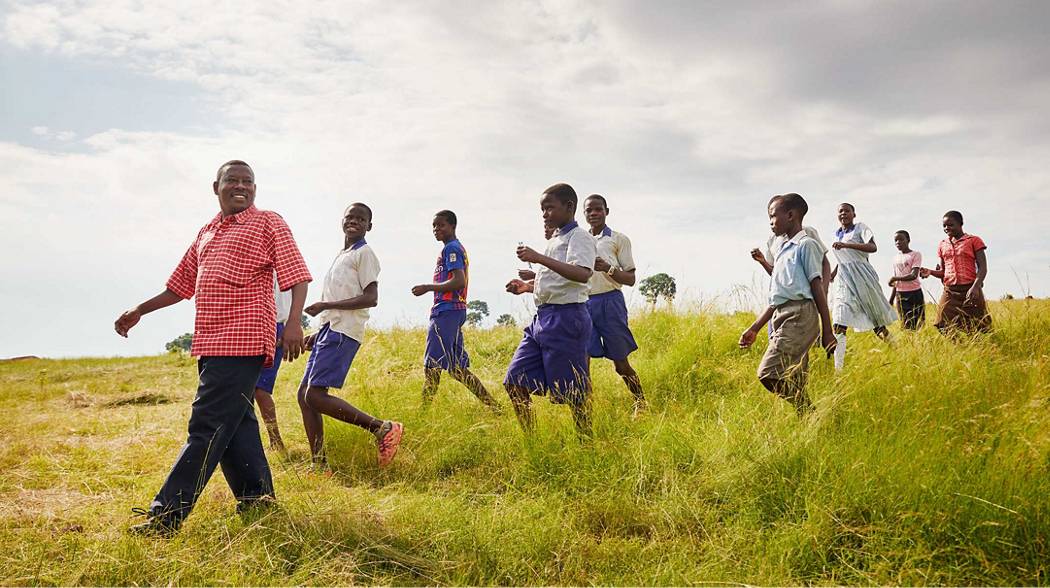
928	463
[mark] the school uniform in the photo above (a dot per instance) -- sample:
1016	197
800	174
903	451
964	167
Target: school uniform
911	305
795	325
342	331
959	263
775	242
611	337
552	356
857	298
444	348
229	269
283	303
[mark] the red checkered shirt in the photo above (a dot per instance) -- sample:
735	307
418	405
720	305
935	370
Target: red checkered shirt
230	269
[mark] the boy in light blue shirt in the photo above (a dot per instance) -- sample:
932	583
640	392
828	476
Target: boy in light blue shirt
798	306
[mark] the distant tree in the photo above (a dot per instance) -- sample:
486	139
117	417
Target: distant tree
304	320
658	286
477	310
505	320
180	343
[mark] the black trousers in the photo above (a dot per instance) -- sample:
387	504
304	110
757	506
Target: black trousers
911	306
223	431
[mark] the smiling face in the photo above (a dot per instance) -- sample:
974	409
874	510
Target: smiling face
444	231
556	213
952	227
846	215
595	212
356	222
235	189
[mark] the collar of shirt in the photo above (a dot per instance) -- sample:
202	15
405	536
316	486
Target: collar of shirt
239	217
572	225
606	232
842	231
358	244
793	241
962	238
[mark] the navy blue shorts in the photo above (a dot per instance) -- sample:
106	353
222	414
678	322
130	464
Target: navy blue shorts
445	341
330	359
610	336
268	376
552	356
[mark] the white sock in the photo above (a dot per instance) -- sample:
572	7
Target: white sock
840	351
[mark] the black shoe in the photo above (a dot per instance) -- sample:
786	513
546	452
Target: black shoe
260	505
155	525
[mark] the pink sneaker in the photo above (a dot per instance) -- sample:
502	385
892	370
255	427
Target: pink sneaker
389	439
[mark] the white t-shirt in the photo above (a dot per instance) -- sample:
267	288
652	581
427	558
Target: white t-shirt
615	248
775	242
570	244
283	301
351	272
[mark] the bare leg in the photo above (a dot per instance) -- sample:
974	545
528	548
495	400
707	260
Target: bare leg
269	416
521	400
476	387
431	379
634	383
316	401
314	425
581	417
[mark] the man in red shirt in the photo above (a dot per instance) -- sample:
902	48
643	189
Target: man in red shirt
230	269
962	268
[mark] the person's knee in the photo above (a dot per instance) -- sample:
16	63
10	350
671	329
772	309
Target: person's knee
624	369
312	396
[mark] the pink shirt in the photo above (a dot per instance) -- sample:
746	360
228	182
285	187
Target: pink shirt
959	259
903	264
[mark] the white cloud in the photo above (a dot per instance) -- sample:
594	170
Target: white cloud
686	120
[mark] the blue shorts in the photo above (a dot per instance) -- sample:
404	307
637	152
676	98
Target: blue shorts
268	376
445	341
610	337
330	359
552	356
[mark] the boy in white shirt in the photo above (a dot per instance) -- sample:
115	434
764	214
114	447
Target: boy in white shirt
268	376
350	289
552	356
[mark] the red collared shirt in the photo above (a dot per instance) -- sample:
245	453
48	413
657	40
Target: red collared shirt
230	269
959	259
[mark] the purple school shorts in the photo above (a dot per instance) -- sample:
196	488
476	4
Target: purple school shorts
268	376
552	356
610	336
330	359
445	341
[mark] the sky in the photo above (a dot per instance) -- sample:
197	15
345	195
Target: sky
687	116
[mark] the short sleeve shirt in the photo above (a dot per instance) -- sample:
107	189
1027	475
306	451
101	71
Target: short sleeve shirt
903	264
797	262
569	244
959	259
453	257
615	248
353	269
858	233
775	242
230	270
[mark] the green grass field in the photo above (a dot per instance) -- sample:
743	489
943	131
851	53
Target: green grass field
928	463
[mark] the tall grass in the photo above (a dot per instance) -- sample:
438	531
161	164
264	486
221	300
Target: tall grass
926	463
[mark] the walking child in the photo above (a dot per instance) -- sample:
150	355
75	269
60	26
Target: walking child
798	307
351	287
230	269
858	302
268	376
552	356
765	256
614	267
911	306
445	349
962	268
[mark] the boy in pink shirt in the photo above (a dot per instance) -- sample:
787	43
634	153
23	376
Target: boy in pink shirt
907	291
962	268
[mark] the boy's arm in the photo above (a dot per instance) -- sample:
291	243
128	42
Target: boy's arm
519	286
827	337
825	272
756	254
569	271
292	337
982	272
747	338
367	299
129	318
456	282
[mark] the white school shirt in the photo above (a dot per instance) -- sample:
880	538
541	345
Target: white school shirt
352	271
283	301
569	244
775	242
615	248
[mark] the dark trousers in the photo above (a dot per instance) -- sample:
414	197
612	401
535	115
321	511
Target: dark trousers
223	431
